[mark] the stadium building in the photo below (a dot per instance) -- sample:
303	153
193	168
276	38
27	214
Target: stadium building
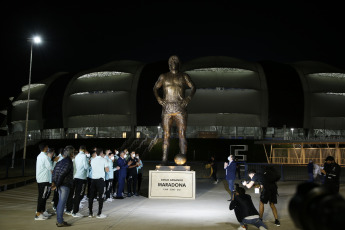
235	99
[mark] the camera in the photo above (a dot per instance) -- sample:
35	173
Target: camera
314	207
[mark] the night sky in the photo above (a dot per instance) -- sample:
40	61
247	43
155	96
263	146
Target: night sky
77	38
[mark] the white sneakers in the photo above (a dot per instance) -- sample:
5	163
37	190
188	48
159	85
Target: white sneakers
78	214
241	228
109	200
102	216
68	213
41	217
262	228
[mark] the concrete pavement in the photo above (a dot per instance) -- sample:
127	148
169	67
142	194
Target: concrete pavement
210	210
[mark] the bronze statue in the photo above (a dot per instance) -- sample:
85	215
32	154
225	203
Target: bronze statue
174	103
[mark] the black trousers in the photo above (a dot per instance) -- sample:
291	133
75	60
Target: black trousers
88	187
43	194
132	183
109	187
56	198
97	185
80	186
115	181
140	179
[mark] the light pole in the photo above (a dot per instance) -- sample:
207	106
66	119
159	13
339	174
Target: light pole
34	40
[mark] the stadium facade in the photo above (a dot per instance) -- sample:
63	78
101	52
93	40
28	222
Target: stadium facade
234	99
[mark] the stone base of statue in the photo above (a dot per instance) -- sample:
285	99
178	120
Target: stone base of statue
172	182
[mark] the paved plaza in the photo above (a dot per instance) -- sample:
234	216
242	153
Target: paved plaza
210	210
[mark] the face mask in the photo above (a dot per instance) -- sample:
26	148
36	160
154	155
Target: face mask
117	152
133	155
112	158
229	158
88	155
137	157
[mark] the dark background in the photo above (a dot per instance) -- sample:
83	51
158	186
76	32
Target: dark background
78	37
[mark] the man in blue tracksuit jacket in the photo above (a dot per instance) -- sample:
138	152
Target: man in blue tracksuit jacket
121	162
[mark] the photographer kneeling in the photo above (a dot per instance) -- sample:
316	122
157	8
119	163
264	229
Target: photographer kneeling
244	210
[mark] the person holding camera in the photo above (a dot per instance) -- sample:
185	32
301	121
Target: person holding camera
269	192
245	211
332	174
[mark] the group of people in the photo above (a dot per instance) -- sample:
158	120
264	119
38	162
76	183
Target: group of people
102	173
241	202
265	182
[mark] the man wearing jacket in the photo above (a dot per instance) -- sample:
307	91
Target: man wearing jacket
230	169
63	181
332	174
121	162
245	211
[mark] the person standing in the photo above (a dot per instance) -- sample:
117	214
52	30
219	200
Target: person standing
213	164
132	176
50	154
63	182
110	175
43	176
230	170
317	173
89	176
332	174
99	168
140	171
82	167
245	211
55	161
310	168
269	192
121	162
116	173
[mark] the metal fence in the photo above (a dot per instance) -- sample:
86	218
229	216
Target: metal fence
13	168
287	172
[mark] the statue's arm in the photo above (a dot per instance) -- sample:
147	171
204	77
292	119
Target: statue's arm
158	85
191	85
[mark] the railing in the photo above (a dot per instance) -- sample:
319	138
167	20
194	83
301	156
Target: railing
7	142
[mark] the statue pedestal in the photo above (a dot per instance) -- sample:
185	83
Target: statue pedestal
172	182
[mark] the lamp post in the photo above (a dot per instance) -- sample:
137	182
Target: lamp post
34	40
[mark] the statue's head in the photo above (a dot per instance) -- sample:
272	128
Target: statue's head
174	63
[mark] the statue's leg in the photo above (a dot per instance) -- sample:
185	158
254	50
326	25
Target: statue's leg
181	122
166	123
